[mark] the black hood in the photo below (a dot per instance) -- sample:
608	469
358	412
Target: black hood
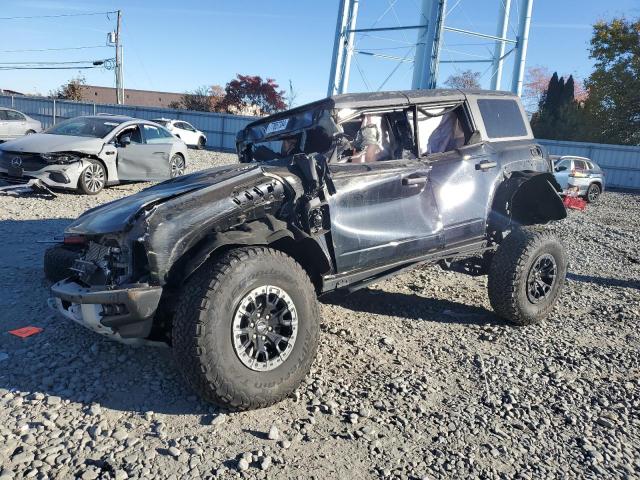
115	216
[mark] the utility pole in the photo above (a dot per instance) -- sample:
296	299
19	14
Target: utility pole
119	88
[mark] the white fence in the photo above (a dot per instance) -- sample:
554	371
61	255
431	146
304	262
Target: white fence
621	164
220	128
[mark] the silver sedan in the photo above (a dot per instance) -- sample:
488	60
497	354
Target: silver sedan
14	124
89	153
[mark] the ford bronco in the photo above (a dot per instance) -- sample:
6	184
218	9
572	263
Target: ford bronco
225	265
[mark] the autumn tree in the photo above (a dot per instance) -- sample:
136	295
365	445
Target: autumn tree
613	105
464	80
202	99
251	94
72	90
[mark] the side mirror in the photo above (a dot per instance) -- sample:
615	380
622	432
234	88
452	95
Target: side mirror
125	140
561	168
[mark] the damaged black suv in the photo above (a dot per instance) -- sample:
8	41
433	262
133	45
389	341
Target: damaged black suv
225	264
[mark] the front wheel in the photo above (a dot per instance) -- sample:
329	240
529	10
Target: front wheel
176	166
92	178
526	275
246	328
201	143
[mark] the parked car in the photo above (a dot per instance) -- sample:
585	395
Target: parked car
14	124
580	175
88	153
225	264
185	131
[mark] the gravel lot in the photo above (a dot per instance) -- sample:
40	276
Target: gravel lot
415	377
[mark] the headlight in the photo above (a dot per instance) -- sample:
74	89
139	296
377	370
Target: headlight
60	157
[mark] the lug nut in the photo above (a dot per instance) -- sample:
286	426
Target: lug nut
254	336
252	325
270	328
264	338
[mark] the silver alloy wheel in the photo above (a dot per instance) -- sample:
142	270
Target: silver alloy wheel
593	192
264	328
176	166
94	177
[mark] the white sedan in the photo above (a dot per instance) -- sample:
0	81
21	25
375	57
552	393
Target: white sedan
184	131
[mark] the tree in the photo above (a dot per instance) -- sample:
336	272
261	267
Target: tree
613	105
72	90
466	79
536	84
292	94
250	94
559	115
202	99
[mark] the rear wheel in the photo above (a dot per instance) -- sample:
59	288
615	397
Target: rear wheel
246	328
526	275
593	193
93	178
176	166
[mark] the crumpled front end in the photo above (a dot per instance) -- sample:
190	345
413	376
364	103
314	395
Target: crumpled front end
131	246
58	171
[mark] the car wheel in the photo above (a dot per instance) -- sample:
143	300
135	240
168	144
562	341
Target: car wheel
201	143
93	178
246	328
176	166
30	132
526	275
593	193
58	260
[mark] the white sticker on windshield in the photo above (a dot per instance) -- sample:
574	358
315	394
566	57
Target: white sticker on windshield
111	124
276	126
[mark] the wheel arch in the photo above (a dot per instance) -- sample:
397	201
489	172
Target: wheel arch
526	198
269	232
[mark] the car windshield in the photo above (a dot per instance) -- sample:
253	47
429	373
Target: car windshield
85	127
307	131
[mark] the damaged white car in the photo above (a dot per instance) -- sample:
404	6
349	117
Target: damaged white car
89	153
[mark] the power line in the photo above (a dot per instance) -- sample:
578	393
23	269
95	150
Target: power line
58	16
47	68
47	63
52	49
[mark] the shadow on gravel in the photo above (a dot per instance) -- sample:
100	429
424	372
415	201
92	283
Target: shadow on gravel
604	282
65	360
413	307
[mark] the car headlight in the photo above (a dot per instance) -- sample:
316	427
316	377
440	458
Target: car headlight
60	157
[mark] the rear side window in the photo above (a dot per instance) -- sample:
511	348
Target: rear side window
502	118
3	115
11	115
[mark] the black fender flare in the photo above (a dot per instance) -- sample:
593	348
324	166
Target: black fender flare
266	231
526	198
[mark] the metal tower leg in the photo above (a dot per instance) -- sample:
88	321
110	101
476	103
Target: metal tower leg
521	48
498	54
425	67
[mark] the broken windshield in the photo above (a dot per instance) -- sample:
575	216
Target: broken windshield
308	131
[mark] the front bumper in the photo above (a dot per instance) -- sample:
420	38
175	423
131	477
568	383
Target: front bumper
56	176
136	304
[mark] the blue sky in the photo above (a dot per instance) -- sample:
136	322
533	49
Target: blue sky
174	45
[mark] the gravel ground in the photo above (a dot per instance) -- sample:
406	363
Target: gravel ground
415	377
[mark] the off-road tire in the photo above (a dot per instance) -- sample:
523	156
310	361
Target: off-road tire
593	193
509	271
58	260
202	328
83	186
